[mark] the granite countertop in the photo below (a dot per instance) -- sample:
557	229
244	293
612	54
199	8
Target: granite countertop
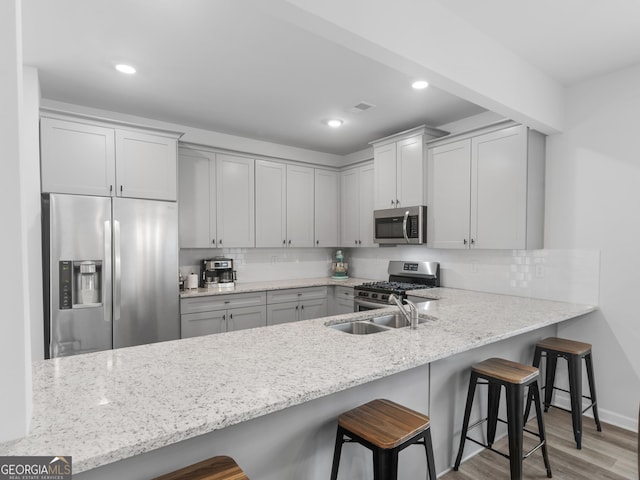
106	406
244	287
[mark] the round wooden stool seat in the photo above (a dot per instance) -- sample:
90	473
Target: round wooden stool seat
563	345
384	423
505	370
216	468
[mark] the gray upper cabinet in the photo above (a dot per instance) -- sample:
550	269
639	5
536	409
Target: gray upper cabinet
487	190
98	159
216	204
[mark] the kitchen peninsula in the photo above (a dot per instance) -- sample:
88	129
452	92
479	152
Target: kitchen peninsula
269	396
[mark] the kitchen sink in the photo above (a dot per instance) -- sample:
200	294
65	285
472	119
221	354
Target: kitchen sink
396	320
359	328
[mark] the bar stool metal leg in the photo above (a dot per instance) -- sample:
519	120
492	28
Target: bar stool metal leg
493	405
550	375
592	390
515	400
337	451
575	393
535	393
467	413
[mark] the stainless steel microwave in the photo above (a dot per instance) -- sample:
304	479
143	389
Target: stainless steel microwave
397	226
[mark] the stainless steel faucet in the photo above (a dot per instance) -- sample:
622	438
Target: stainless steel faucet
412	316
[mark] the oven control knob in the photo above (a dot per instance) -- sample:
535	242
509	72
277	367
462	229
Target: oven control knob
374	295
362	294
385	297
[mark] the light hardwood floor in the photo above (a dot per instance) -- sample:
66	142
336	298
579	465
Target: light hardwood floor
607	455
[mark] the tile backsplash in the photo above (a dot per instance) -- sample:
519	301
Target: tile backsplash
564	275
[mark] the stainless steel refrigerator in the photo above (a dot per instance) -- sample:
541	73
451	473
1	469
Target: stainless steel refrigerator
110	273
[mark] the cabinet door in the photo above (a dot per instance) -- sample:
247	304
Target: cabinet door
410	172
313	309
77	158
350	211
146	166
196	324
271	204
300	194
196	203
327	208
366	201
247	317
343	305
449	174
235	191
499	189
384	158
282	313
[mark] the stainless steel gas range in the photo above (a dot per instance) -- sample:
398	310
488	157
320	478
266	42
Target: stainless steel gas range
403	277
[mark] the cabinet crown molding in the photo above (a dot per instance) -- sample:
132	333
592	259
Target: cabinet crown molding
106	122
430	133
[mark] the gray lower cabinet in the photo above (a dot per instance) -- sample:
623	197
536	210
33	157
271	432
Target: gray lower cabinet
294	304
222	313
342	300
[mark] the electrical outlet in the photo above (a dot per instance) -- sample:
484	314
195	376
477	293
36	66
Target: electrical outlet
539	271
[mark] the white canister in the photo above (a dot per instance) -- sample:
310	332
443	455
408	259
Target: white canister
192	281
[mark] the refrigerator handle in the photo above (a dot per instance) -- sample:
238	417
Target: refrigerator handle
117	270
106	272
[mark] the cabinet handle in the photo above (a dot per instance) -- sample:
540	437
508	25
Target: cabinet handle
473	241
224	317
296	307
317	242
356	242
231	316
110	188
226	301
220	241
392	203
301	307
464	242
359	242
213	241
289	242
120	188
284	243
397	202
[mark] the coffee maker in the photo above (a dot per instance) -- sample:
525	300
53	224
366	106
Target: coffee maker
217	272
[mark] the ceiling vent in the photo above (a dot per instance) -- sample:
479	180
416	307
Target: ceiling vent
361	107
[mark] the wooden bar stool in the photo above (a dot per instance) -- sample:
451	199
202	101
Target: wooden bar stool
553	348
385	428
496	373
216	468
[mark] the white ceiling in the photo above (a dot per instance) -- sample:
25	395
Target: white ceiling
221	65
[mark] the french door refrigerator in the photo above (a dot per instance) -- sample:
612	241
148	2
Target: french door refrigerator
110	267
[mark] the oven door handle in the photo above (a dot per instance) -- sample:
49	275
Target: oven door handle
359	302
404	226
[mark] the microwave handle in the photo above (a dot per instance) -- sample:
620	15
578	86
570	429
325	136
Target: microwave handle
404	226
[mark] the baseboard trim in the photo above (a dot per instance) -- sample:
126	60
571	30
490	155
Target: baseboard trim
606	416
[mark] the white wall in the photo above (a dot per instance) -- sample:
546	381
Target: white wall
592	201
31	219
15	349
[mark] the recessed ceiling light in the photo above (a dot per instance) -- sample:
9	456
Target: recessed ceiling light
420	84
334	122
121	67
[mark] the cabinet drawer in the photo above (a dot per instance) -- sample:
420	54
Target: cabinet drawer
222	302
295	294
343	292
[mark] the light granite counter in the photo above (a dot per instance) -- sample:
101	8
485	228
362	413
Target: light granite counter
244	287
108	406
